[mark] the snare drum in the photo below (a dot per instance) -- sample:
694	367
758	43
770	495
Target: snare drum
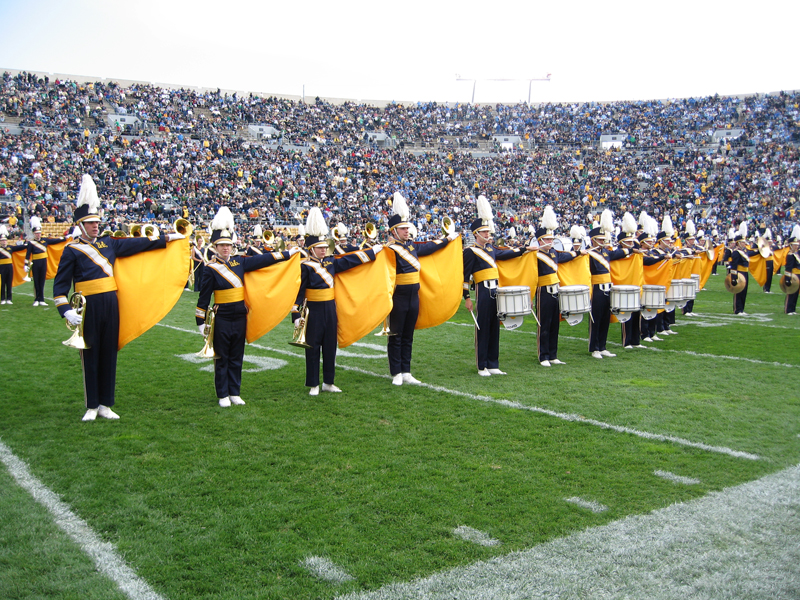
676	295
573	302
624	301
653	299
689	289
696	279
513	301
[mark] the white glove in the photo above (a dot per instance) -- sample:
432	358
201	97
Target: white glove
27	268
202	329
452	236
294	250
377	248
171	237
72	317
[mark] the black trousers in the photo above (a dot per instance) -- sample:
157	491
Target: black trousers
6	278
790	305
321	335
39	274
487	338
740	299
402	321
631	330
229	338
601	319
667	319
547	311
99	362
770	273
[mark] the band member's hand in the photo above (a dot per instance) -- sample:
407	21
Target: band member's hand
171	237
202	329
377	248
734	278
584	252
298	323
531	248
452	236
72	317
469	304
294	250
787	280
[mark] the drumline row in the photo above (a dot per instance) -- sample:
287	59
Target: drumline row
574	300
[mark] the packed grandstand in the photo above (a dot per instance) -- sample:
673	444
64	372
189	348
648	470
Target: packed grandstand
157	153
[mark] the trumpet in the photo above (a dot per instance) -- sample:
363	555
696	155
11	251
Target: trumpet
370	235
299	334
183	227
78	303
150	231
208	335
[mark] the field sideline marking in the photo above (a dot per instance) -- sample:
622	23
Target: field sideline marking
105	557
739	542
513	404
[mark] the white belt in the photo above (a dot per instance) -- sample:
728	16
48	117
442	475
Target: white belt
604	287
551	289
490	284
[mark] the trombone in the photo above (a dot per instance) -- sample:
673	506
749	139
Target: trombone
77	302
299	333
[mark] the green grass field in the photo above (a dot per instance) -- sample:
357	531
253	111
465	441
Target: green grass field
205	502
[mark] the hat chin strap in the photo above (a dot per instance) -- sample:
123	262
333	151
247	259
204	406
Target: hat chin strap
86	235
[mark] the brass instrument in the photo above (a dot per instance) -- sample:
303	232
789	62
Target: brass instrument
711	251
299	334
77	302
386	330
119	234
183	227
106	233
370	235
150	231
336	235
764	247
135	230
208	335
448	226
209	253
268	237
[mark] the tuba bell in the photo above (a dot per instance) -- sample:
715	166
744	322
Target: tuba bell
150	231
118	234
448	226
77	302
299	334
135	230
183	227
370	235
208	335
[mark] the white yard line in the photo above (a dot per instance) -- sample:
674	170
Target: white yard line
742	542
475	536
676	478
592	505
105	556
325	569
513	404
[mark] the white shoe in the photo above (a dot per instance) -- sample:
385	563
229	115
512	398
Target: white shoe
640	346
655	338
36	304
314	391
743	314
484	373
791	313
106	412
397	379
90	415
628	347
496	372
673	332
555	361
409	378
596	354
9	302
329	387
607	353
545	363
225	402
647	339
237	400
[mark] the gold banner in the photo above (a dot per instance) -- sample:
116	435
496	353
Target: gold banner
269	294
364	297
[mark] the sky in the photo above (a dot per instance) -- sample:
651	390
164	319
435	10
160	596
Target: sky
416	50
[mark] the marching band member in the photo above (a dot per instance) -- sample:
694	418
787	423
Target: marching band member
254	248
88	263
666	250
739	267
631	329
650	257
342	246
792	267
548	315
690	250
198	262
224	277
405	310
480	265
599	259
6	266
769	260
36	259
316	290
300	240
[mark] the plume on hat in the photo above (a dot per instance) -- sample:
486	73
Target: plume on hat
651	228
606	221
731	233
796	233
575	232
691	230
88	194
743	229
223	220
341	229
666	226
629	225
768	234
512	233
36	222
549	220
643	216
301	230
485	212
399	207
258	231
315	223
3	231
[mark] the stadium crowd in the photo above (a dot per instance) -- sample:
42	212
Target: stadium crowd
190	153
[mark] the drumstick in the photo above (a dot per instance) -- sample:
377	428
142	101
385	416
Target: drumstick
474	319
